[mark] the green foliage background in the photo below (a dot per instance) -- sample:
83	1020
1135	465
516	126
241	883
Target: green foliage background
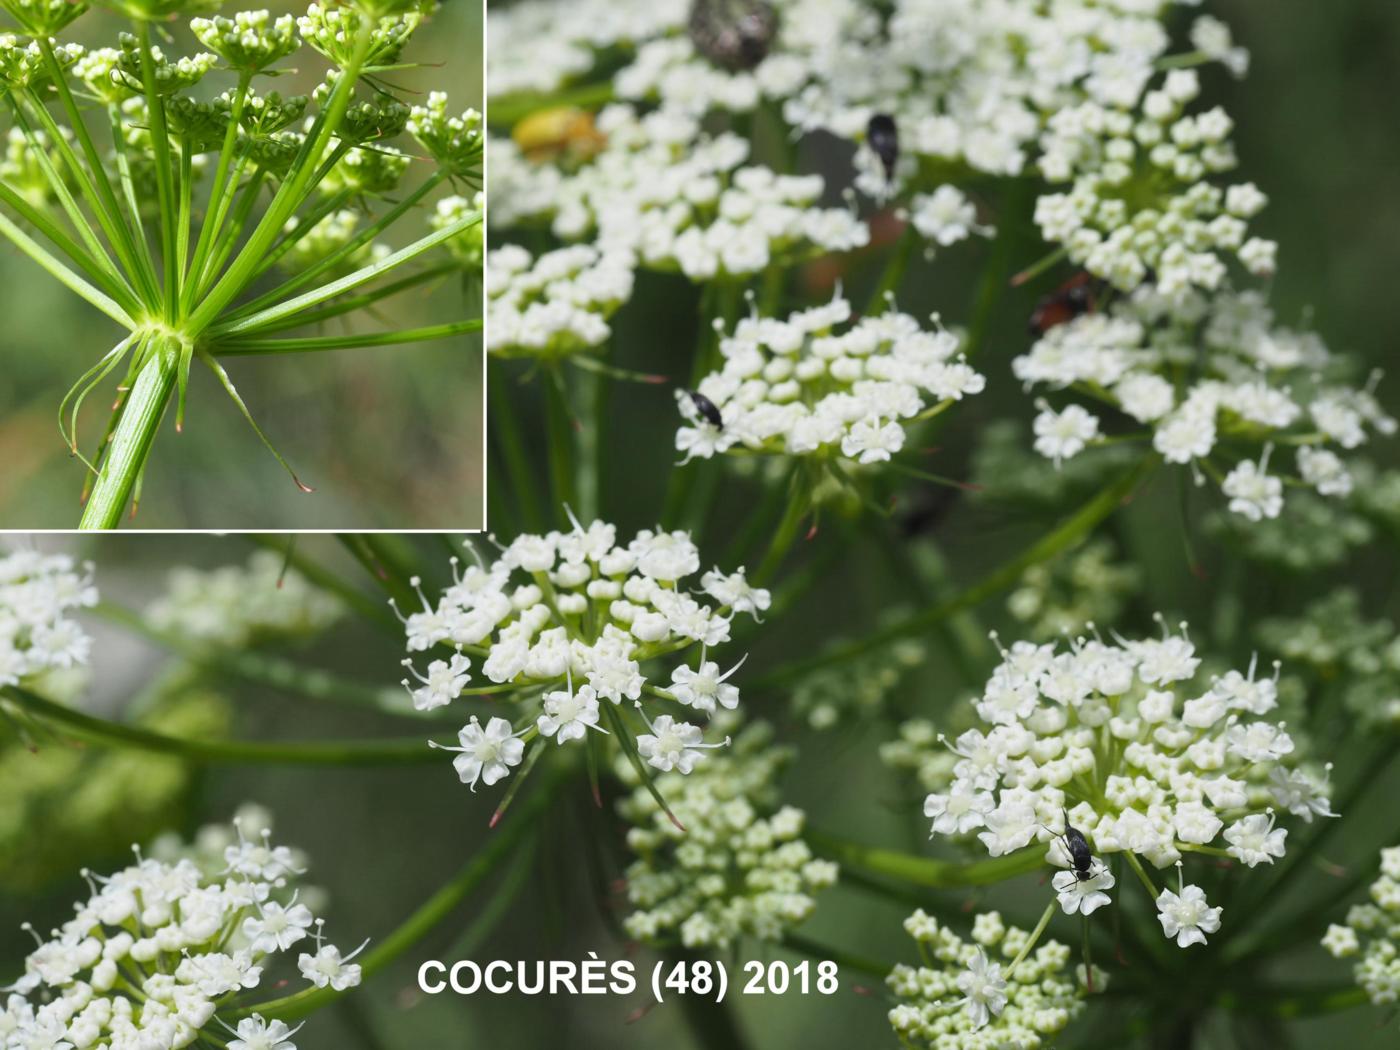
389	437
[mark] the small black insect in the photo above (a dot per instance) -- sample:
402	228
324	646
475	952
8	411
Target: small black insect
1080	856
883	135
706	408
733	34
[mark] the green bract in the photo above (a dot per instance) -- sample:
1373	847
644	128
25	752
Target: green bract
163	204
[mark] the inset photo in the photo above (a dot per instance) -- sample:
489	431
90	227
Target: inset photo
241	269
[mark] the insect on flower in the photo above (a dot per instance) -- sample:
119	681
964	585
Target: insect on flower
883	136
1080	855
734	34
565	134
707	408
1077	296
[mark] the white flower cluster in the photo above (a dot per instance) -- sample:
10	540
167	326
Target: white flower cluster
945	216
555	305
1114	740
972	84
1372	933
960	999
540	45
1140	206
798	387
160	947
739	869
38	594
1256	382
235	605
568	619
1061	87
675	198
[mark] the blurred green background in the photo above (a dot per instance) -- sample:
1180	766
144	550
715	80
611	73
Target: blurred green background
388	437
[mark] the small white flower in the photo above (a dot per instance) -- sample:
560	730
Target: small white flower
983	988
486	754
961	810
275	929
1254	840
442	684
256	1034
568	714
673	745
1258	741
1301	793
1186	915
945	216
870	441
1324	471
1063	435
1341	941
327	969
735	591
1082	896
1253	493
705	688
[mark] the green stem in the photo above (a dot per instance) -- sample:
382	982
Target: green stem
101	261
561	435
290	194
993	284
786	533
165	189
505	431
893	273
845	960
94	268
926	871
1034	937
1004	576
291	307
433	911
100	731
133	256
346	250
241	347
228	236
351	303
1143	877
266	670
1304	1002
220	196
131	441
